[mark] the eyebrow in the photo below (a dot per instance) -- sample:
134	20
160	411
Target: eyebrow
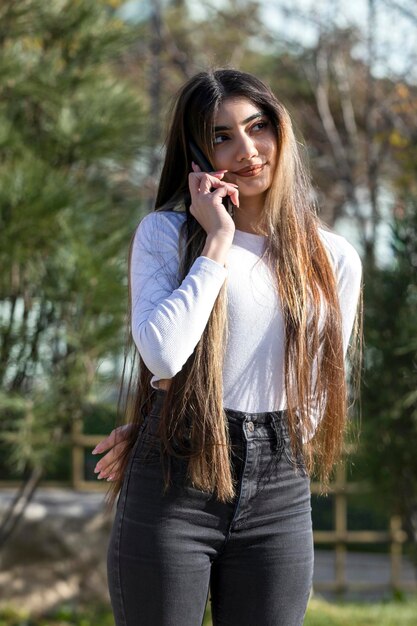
246	121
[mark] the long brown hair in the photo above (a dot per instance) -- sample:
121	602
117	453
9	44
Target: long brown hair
304	280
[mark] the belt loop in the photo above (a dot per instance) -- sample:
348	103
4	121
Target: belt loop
279	440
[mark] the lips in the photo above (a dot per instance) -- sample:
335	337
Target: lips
252	170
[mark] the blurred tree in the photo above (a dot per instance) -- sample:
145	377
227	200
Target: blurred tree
389	397
174	41
345	101
344	114
74	149
70	133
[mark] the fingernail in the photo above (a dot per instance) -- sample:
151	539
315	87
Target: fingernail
96	469
96	450
110	478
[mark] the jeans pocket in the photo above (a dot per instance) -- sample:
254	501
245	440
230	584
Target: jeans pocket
297	462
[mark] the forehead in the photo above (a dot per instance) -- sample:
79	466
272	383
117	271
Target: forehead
236	109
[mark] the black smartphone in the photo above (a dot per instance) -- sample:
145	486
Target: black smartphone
199	158
204	164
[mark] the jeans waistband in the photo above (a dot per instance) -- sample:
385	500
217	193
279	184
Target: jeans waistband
264	417
254	424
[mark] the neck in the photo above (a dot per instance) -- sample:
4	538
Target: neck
248	217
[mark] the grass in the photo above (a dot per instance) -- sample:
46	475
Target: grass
392	613
320	613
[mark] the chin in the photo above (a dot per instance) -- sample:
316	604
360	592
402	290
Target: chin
254	189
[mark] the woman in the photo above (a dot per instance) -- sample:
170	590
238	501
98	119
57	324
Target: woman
242	320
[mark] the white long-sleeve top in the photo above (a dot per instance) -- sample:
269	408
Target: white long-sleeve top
169	316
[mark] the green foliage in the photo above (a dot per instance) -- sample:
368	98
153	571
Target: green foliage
389	428
71	132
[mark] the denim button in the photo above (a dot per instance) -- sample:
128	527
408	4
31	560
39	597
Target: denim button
251	427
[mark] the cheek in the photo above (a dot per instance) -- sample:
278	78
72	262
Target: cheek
272	149
272	157
269	146
225	155
218	163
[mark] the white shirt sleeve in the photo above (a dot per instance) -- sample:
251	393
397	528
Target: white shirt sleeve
168	318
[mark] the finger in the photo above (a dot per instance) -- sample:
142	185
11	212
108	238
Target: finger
109	476
111	470
210	181
218	172
222	192
194	181
207	182
235	197
225	182
228	190
121	432
197	169
104	444
109	460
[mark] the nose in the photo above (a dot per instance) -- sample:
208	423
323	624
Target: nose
246	148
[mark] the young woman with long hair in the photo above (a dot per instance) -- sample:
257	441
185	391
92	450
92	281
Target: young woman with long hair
241	320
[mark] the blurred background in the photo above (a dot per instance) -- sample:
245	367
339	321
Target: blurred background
85	88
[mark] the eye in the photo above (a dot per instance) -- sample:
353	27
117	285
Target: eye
219	139
260	125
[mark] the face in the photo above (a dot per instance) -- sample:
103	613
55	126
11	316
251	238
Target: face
246	146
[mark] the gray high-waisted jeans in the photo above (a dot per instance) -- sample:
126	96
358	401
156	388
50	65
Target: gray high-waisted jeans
255	554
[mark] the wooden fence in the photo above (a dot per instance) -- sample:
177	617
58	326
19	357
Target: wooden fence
340	537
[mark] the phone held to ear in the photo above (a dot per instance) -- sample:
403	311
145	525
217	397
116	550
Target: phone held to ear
204	164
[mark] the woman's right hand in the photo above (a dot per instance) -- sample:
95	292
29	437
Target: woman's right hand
107	467
206	202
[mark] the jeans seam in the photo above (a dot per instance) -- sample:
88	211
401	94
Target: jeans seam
117	567
119	531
